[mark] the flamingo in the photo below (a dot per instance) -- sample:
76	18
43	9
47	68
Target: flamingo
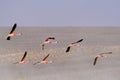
48	41
44	60
23	58
73	44
12	32
100	56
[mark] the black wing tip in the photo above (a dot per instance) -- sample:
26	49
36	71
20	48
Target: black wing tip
95	60
94	64
13	28
80	40
8	38
15	25
24	56
68	49
52	38
25	51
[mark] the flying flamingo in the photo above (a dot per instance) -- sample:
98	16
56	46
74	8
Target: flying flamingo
44	60
73	44
12	32
23	58
48	41
100	56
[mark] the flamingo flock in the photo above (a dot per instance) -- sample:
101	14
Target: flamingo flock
51	40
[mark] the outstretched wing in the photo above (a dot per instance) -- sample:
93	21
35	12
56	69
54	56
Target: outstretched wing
13	28
68	49
23	58
95	60
108	53
45	57
79	41
50	38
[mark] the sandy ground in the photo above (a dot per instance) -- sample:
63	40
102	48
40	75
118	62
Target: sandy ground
75	65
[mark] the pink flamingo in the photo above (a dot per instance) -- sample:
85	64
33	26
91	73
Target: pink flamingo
99	56
48	41
12	32
23	58
44	60
73	44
